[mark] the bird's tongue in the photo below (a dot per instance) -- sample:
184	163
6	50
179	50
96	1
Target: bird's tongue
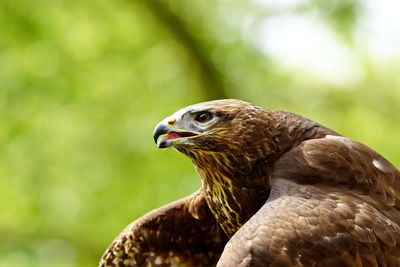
169	136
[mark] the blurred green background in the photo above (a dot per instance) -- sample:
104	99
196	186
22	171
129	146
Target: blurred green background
83	83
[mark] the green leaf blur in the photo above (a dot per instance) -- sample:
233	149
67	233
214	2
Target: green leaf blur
83	83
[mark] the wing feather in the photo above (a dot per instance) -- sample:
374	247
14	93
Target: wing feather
183	233
333	202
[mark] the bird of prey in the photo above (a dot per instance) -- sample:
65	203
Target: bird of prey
277	190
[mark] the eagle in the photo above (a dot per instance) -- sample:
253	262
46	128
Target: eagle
277	190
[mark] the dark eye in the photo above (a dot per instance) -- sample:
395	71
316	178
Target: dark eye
203	116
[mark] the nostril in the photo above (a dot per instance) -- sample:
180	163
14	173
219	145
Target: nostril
171	122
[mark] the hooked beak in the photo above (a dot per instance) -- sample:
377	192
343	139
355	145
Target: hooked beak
171	135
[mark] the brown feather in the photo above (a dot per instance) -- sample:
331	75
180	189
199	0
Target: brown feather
183	233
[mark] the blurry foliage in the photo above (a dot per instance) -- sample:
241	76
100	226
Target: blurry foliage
83	83
339	14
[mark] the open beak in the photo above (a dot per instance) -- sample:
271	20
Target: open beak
171	135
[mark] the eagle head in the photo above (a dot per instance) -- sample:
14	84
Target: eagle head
215	126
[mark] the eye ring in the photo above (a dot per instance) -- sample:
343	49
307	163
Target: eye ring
203	116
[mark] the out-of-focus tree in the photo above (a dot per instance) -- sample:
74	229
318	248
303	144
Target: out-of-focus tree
83	83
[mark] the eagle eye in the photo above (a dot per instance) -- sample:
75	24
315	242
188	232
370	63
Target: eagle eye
203	116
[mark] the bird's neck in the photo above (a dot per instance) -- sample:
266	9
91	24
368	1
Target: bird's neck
231	200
